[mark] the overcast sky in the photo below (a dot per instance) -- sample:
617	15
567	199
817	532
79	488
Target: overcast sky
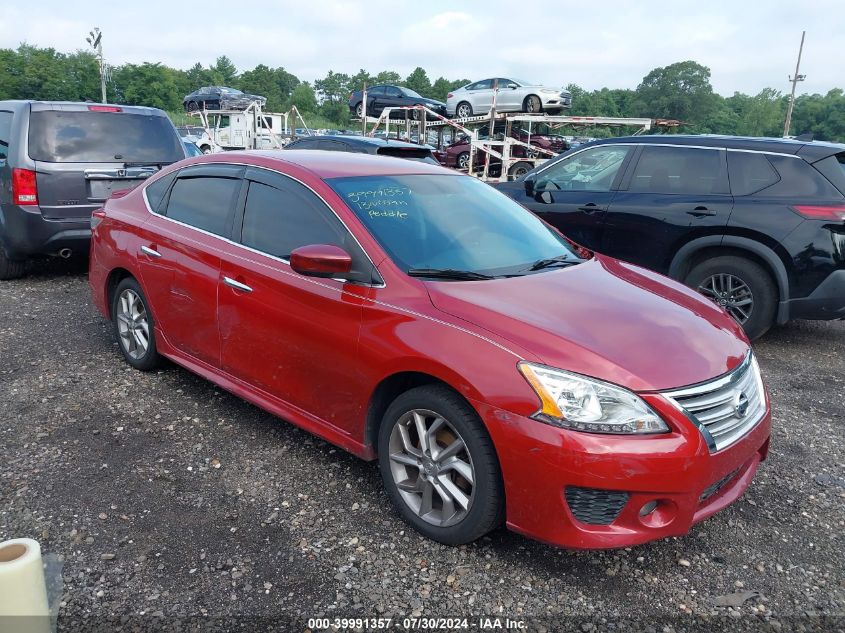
748	45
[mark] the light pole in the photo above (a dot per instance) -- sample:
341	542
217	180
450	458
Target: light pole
794	81
95	39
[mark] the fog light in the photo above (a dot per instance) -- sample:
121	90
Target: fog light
648	508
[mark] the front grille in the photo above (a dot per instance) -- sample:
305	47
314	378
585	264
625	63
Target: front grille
727	408
713	488
594	506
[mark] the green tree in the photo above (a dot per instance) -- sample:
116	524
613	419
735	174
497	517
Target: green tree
333	88
388	77
303	98
148	84
226	70
418	80
678	91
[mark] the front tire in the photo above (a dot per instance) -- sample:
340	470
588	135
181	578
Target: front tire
11	268
532	105
439	466
462	160
741	286
134	326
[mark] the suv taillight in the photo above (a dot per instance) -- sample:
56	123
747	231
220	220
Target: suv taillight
816	212
24	188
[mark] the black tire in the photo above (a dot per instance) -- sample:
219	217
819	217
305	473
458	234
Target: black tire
764	293
519	169
463	105
415	115
487	508
192	106
11	268
359	110
150	359
532	105
205	149
462	160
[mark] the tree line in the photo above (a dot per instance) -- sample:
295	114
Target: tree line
678	91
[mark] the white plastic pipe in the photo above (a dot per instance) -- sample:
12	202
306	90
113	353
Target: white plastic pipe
23	594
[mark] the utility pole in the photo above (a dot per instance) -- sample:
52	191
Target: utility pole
794	81
95	39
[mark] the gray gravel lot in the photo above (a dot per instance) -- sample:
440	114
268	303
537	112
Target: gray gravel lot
173	502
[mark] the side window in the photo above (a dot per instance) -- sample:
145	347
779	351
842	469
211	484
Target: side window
594	169
393	93
683	170
278	219
156	191
204	202
5	133
750	172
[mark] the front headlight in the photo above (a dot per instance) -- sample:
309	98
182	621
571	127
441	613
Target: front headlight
585	404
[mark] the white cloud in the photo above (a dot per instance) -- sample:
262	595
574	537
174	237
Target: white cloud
748	46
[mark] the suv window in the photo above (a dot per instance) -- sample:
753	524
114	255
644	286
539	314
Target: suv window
750	172
280	218
5	133
102	137
832	168
685	170
204	202
594	169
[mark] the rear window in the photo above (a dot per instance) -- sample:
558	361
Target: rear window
422	155
832	168
102	137
750	172
5	133
204	202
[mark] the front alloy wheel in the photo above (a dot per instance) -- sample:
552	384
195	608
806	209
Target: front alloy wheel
431	467
439	466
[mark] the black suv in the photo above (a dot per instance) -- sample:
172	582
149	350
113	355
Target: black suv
59	161
757	225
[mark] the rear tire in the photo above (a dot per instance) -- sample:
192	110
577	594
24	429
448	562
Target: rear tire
359	110
462	161
463	110
11	268
436	466
741	286
520	169
134	327
192	106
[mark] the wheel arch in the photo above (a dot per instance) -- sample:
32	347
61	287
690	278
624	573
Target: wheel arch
112	281
693	253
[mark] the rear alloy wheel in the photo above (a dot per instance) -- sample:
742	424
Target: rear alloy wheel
11	268
463	110
359	110
740	286
463	160
532	105
439	466
133	326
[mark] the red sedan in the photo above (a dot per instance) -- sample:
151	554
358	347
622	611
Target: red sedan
498	372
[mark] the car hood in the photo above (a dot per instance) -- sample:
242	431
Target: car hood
603	318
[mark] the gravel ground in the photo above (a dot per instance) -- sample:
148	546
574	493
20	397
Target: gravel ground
176	505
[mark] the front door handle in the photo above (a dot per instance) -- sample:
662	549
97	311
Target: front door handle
237	285
590	207
701	212
146	250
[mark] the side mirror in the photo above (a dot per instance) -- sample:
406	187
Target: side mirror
320	260
529	187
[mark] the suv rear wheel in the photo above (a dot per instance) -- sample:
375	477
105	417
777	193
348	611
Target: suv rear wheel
742	287
10	268
439	466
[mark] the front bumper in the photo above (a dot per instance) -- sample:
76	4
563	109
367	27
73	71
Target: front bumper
24	233
539	462
555	101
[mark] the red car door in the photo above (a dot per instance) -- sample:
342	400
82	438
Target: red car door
180	267
292	337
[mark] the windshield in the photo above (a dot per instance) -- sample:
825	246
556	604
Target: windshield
449	222
102	137
410	93
230	91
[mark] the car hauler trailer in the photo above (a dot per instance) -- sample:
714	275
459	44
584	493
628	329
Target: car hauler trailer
250	128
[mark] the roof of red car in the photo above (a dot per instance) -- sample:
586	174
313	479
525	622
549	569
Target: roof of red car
327	164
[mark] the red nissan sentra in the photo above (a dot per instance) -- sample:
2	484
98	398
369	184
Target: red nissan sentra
498	372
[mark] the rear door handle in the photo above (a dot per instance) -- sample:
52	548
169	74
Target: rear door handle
590	207
150	251
700	212
237	285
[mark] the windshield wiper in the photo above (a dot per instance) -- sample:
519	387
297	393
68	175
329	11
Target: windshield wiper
548	262
448	273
